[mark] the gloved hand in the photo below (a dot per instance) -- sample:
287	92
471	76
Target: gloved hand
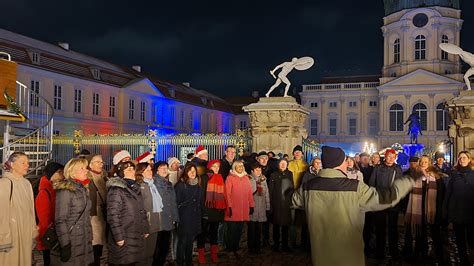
66	253
230	212
269	214
251	210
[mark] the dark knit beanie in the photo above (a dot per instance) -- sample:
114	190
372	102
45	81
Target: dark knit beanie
298	148
51	168
439	155
262	153
332	157
414	159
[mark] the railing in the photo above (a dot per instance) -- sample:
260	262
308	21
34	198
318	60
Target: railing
337	86
33	136
67	147
311	149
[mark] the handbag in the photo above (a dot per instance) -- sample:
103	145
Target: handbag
50	237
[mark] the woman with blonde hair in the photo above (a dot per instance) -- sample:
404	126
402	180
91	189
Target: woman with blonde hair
375	159
459	202
72	215
17	220
353	171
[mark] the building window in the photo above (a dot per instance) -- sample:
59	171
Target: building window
242	124
35	57
57	101
191	120
444	55
352	126
131	109
396	51
112	106
352	104
314	127
373	126
77	101
420	47
332	126
182	119
373	103
198	122
142	111
396	117
314	105
95	103
96	73
442	117
34	98
172	116
332	104
423	113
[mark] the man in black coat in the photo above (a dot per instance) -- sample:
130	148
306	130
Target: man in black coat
227	161
383	177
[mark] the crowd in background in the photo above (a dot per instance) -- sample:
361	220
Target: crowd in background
142	210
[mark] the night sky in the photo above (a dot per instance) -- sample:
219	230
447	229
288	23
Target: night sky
225	47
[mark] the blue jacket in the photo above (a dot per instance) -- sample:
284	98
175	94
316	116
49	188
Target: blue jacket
169	215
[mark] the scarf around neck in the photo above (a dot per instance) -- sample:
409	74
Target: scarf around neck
414	216
156	197
232	172
215	197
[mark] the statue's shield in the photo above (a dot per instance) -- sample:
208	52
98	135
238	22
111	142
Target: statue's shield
304	63
450	48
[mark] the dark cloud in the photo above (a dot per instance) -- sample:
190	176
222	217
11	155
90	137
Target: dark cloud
226	47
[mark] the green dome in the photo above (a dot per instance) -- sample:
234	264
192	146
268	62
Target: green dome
392	6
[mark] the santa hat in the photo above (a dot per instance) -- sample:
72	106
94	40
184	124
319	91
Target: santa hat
120	155
210	163
144	157
200	150
388	151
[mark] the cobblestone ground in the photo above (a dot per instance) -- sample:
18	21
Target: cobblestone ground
297	257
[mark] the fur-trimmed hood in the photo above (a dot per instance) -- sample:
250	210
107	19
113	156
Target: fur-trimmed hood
116	182
66	184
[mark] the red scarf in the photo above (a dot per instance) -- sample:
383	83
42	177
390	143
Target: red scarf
215	198
84	182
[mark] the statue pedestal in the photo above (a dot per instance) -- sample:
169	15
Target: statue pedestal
277	124
461	110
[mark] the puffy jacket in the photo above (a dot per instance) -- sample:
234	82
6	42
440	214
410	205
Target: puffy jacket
44	205
335	207
238	194
72	209
127	221
153	218
169	214
261	199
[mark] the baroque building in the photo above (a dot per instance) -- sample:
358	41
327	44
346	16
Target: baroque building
417	76
100	97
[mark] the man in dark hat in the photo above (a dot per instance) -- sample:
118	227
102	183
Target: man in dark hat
335	206
440	163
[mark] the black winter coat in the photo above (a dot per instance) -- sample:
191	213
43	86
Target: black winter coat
212	215
72	210
189	200
383	177
225	168
127	221
459	200
281	188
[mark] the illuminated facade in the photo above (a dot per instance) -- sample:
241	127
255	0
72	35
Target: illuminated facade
102	98
416	76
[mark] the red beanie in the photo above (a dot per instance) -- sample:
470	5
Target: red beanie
390	151
210	163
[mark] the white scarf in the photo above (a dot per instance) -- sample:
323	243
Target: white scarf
157	200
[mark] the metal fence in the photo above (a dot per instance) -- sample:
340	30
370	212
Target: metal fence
311	149
67	147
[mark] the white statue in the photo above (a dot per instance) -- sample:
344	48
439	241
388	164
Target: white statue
302	63
465	56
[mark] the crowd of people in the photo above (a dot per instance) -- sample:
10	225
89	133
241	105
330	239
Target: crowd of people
142	210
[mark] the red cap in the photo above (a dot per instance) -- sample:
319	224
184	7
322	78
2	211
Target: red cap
210	163
145	157
390	151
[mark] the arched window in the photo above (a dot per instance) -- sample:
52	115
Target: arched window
420	47
396	117
442	117
396	51
444	55
422	111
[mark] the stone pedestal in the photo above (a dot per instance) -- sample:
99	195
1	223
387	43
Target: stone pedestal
277	124
461	110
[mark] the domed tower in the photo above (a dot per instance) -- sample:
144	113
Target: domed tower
413	30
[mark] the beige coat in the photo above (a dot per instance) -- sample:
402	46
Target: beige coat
98	222
17	221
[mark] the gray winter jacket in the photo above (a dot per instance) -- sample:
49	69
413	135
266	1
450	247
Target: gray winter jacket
262	199
169	215
73	222
152	217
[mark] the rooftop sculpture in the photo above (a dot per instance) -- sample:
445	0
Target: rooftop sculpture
465	56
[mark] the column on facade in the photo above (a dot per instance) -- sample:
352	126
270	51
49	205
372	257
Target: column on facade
323	114
363	117
343	119
431	114
382	115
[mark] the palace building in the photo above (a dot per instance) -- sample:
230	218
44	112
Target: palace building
417	76
100	97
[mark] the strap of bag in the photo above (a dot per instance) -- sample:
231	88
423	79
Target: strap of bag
11	189
80	215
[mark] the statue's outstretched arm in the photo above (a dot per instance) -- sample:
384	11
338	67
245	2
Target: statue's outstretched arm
278	67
